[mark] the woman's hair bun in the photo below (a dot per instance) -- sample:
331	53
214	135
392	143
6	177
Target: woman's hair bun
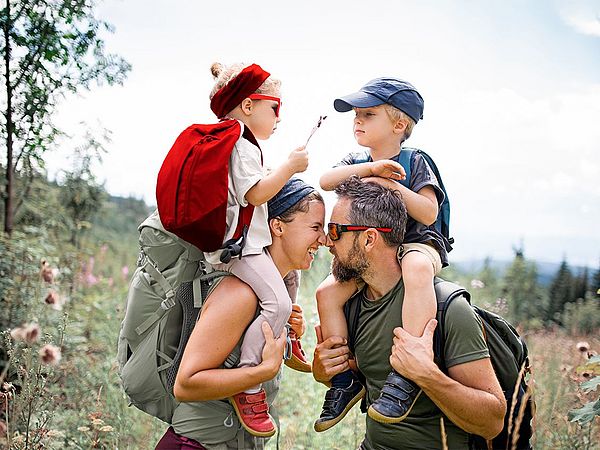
216	69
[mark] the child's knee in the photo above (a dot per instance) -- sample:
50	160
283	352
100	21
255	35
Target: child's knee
417	268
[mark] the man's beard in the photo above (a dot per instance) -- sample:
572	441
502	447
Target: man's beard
355	266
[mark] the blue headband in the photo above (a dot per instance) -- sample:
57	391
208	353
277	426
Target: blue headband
291	193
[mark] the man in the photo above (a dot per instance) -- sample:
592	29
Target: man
469	397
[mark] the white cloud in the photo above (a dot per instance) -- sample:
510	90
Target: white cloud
582	15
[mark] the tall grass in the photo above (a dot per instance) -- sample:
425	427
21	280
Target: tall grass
83	406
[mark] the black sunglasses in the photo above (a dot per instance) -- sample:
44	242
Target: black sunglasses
335	230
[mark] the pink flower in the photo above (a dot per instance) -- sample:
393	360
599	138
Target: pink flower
18	334
52	298
32	333
46	272
50	354
125	272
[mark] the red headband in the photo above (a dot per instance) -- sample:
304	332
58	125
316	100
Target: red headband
237	89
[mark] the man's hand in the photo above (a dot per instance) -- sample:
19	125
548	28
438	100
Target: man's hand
296	320
386	168
330	358
412	356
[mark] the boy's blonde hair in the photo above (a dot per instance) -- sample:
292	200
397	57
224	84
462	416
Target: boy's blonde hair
223	74
395	115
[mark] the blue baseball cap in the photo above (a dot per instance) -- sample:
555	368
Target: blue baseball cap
393	91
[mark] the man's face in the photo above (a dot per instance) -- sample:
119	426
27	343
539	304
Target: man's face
349	259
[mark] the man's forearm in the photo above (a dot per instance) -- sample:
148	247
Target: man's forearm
475	411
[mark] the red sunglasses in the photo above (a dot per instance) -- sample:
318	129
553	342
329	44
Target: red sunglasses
335	230
268	97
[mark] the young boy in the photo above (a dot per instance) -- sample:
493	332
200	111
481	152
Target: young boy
386	111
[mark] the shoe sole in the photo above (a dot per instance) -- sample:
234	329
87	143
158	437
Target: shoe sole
377	416
327	424
296	364
250	430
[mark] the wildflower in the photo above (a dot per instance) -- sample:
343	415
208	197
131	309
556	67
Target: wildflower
50	354
97	422
18	334
106	428
582	346
46	272
125	272
477	284
55	434
32	333
83	429
54	300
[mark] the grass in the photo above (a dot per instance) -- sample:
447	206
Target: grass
88	408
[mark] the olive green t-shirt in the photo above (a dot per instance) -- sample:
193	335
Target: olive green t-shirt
374	339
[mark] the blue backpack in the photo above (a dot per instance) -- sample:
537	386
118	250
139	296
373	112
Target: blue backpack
406	159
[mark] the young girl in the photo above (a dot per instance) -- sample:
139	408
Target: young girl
251	96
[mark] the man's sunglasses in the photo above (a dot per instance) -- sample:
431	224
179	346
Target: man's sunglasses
335	230
268	97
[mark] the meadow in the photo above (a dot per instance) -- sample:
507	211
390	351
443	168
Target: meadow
77	402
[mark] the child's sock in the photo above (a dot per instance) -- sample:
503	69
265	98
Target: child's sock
342	380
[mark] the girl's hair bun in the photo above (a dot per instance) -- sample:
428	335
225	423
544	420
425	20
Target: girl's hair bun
216	69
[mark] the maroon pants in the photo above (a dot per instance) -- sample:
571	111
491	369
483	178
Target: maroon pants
174	441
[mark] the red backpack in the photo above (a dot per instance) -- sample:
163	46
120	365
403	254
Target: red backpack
192	187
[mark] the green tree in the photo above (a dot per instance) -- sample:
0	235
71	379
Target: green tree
81	194
49	48
581	284
595	285
521	289
560	292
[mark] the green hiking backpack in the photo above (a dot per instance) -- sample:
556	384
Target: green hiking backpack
508	354
163	302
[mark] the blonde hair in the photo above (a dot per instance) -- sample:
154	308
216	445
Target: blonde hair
395	115
224	74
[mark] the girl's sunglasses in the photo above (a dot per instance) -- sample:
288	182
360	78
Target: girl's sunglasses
268	97
335	230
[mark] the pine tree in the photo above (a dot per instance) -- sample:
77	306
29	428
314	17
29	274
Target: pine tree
581	284
560	292
595	285
522	291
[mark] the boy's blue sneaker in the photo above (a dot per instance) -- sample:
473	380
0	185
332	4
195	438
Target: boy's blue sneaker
397	398
338	402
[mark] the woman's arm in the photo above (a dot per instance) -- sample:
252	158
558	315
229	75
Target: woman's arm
224	318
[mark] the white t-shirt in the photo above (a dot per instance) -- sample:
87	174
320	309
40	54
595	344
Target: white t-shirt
245	170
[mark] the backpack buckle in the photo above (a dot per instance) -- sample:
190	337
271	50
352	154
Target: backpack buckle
142	258
168	302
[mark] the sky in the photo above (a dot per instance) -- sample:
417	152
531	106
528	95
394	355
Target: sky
511	90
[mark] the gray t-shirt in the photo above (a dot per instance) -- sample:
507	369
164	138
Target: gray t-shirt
421	176
464	342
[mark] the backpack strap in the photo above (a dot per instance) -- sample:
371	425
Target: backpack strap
405	159
148	266
445	292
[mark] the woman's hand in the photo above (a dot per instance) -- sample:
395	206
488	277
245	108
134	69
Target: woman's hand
272	354
296	320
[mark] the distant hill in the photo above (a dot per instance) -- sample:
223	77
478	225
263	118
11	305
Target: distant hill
546	270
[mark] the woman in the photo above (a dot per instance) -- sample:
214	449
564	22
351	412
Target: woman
296	219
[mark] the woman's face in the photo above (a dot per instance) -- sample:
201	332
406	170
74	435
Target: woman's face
302	237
